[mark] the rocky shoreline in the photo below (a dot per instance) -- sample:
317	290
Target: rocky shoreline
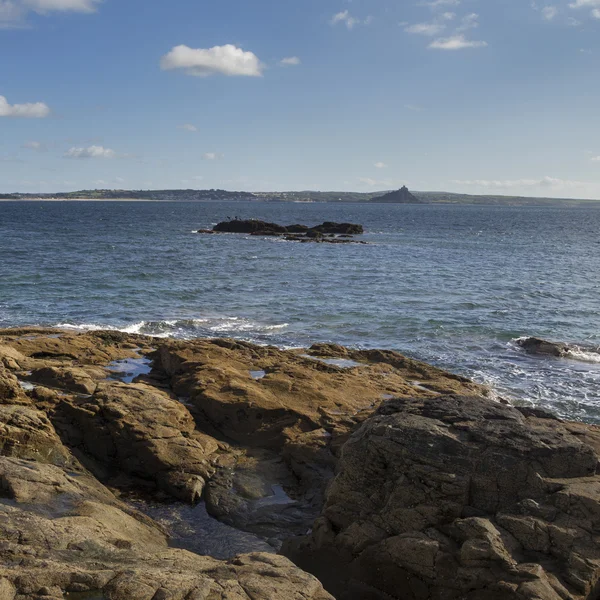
381	476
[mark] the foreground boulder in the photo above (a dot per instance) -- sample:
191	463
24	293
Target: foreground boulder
62	533
456	497
140	431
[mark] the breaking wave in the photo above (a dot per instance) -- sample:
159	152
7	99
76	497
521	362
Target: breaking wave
213	326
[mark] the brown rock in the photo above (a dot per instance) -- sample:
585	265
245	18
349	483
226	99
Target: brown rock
11	391
72	379
298	394
75	536
28	433
140	431
459	497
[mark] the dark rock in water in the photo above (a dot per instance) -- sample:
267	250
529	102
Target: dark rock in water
294	233
340	228
297	228
312	233
402	196
460	498
534	345
248	226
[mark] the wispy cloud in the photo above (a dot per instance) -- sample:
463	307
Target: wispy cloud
347	19
456	42
188	127
90	152
470	21
379	183
594	5
457	39
549	12
13	13
380	165
203	62
211	156
544	182
290	61
35	110
441	3
36	146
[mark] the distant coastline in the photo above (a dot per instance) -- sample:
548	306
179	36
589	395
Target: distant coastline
306	196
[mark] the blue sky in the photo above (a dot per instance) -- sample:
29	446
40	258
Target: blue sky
459	95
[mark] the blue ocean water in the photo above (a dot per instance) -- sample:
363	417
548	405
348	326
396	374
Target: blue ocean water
451	285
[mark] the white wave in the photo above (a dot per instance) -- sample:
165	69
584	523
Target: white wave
589	356
86	327
185	328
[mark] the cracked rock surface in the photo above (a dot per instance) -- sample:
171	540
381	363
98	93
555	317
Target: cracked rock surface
460	498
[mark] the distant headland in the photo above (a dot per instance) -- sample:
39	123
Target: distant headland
401	196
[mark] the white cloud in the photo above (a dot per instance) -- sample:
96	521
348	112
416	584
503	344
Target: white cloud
572	22
380	165
37	146
36	110
211	156
456	42
549	12
596	159
198	177
347	19
203	62
596	13
188	127
45	6
290	61
90	152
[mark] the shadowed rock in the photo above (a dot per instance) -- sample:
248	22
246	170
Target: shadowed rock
534	345
459	497
300	233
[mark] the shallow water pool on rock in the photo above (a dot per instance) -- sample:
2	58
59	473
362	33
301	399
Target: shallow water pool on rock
193	529
342	363
127	369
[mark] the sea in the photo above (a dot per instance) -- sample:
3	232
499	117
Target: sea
453	285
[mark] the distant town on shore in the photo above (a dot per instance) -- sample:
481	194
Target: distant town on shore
401	196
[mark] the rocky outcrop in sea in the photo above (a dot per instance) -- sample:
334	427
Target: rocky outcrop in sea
412	483
327	232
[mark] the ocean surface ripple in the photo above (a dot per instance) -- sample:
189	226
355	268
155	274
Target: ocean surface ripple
451	285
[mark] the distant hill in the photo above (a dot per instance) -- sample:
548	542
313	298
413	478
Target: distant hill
401	196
